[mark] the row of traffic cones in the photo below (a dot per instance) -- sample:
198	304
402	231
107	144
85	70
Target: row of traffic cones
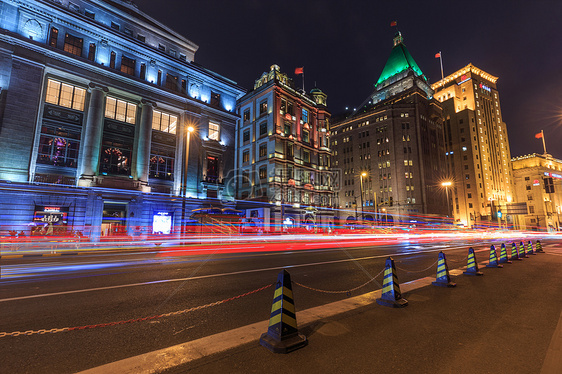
282	335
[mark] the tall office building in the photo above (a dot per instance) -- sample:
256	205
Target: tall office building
96	100
283	154
390	152
477	146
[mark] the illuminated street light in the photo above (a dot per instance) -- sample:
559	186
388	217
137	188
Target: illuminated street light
363	174
447	185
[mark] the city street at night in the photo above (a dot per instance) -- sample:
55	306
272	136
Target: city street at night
93	289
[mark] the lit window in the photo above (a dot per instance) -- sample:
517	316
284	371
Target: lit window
65	95
73	45
120	110
214	131
164	122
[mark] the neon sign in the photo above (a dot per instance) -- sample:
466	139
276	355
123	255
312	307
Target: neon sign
552	175
483	86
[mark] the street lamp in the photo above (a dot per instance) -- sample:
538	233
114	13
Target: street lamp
447	185
363	174
189	129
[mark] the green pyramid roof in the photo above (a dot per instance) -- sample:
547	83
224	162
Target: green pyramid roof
400	59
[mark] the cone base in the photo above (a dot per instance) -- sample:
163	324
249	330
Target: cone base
473	273
494	266
284	345
505	262
444	284
516	259
400	303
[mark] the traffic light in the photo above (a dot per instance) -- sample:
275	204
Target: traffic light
390	202
548	185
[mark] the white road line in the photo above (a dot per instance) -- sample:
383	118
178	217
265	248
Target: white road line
217	275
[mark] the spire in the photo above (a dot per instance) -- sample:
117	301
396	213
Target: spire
399	61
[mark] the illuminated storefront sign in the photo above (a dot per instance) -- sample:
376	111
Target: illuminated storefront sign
162	223
536	182
552	175
54	215
483	86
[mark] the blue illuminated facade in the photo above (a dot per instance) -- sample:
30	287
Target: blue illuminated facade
95	101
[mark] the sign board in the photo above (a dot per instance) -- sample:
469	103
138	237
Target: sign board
54	215
162	223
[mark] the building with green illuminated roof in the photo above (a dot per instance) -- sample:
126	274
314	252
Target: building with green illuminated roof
396	139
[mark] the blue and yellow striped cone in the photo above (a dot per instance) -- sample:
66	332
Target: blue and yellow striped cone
391	295
539	247
530	249
443	279
514	253
522	253
472	265
282	335
503	255
493	259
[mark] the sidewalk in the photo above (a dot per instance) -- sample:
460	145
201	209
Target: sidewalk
507	321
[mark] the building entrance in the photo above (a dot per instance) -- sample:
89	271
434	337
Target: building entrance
114	221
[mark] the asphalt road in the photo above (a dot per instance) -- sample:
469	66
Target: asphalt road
74	291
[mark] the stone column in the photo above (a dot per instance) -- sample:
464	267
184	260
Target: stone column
93	130
143	141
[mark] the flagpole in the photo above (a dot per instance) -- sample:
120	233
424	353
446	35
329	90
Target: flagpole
442	76
543	143
303	80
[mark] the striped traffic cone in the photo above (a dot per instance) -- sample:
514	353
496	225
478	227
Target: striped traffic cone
493	259
282	335
539	247
443	279
503	255
530	249
472	265
391	295
521	250
514	253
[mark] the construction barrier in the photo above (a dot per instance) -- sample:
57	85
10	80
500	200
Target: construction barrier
539	247
391	295
493	263
282	335
530	248
514	253
443	279
503	255
521	250
472	265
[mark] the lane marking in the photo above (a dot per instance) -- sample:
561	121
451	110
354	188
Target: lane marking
553	360
217	275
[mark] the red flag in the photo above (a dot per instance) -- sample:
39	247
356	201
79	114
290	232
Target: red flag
539	135
393	23
438	55
299	71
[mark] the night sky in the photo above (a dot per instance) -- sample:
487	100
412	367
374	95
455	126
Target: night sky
343	46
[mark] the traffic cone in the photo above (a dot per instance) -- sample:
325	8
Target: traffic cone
514	253
539	247
391	295
503	255
443	279
282	335
493	259
530	249
522	253
472	265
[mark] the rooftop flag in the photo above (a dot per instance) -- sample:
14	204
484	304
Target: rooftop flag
438	55
538	135
393	23
299	71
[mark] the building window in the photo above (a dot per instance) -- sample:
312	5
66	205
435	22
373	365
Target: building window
531	209
245	178
143	71
120	110
73	44
215	99
89	14
116	156
263	129
53	36
529	197
246	115
128	65
263	107
114	25
112	59
306	156
162	163
65	95
470	205
159	78
171	82
263	150
246	136
246	157
528	188
164	122
305	115
263	172
288	129
214	131
305	136
142	38
58	146
162	47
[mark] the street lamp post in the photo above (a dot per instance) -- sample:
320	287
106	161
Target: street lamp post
363	174
447	185
189	129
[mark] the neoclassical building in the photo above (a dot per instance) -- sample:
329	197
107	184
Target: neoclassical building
96	100
283	154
